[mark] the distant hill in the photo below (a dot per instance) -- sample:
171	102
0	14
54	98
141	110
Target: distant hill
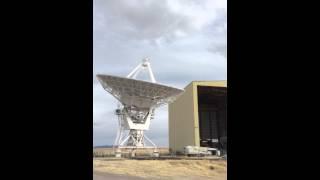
103	146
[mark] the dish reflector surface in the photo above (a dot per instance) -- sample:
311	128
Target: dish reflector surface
142	94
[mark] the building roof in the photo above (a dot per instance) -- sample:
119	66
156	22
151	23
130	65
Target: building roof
216	83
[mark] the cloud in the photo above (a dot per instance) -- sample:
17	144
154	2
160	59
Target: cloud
153	21
217	31
140	20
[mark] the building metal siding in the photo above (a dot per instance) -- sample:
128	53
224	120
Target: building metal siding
184	116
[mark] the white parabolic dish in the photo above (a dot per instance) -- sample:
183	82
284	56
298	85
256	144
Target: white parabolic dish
138	93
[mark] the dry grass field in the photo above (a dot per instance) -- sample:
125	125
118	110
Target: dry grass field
105	163
163	169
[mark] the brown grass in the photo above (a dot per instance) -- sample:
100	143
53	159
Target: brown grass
164	169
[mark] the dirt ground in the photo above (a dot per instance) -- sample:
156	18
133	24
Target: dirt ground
108	176
128	169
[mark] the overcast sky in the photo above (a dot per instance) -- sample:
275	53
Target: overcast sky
185	40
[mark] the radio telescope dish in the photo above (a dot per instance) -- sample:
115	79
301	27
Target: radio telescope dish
138	99
142	94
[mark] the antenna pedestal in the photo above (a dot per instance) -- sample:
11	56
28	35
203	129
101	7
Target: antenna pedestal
133	122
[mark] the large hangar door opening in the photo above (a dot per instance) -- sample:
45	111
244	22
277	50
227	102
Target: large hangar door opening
212	106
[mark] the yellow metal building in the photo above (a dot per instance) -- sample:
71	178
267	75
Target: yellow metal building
199	116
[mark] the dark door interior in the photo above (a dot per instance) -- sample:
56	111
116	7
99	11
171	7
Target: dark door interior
212	116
